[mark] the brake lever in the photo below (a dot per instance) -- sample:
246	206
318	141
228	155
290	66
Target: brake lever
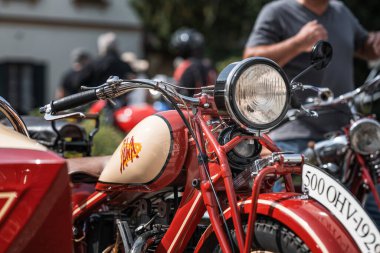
309	113
302	111
49	117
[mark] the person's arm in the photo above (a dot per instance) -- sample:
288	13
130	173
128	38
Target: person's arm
371	48
284	51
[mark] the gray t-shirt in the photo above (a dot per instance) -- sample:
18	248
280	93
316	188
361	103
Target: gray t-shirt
283	19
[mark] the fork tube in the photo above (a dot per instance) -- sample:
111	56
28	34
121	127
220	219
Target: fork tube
289	183
368	179
252	214
268	143
209	199
227	178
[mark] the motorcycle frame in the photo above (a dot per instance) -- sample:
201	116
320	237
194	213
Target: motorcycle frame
365	175
366	179
197	199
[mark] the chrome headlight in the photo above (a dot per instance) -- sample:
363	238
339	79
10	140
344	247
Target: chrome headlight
254	93
365	136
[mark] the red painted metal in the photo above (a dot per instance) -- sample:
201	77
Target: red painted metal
309	220
189	213
278	169
268	143
208	197
129	116
253	212
366	178
89	204
227	178
39	218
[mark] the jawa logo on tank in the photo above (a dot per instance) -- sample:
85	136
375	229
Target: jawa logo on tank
129	151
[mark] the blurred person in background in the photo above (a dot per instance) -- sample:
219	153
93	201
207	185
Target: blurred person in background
109	62
80	73
191	69
140	68
285	32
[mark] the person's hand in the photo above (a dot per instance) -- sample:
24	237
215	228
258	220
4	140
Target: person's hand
374	41
309	34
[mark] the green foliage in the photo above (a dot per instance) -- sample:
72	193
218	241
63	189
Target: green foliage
222	64
225	24
367	14
106	140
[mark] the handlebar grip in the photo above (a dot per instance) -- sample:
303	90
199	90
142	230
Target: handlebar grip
295	103
73	101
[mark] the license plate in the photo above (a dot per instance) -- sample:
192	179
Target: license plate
335	197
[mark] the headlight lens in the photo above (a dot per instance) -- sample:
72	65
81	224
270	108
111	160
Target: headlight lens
365	136
260	94
255	93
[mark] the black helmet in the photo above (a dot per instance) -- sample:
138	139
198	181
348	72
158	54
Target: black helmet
187	42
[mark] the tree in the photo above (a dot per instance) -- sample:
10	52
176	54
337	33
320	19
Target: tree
225	24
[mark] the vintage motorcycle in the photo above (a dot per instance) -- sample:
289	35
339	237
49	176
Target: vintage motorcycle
353	155
154	191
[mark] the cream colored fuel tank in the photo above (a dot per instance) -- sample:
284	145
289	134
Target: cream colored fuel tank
9	138
141	156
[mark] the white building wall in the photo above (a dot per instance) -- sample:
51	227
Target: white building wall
47	30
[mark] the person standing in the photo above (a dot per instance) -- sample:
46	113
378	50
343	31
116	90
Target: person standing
191	69
285	32
109	62
80	73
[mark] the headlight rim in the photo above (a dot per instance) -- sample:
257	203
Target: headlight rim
229	94
353	130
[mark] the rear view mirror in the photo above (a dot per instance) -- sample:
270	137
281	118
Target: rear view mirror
321	54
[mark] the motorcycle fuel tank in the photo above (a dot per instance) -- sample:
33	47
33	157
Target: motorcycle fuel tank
150	157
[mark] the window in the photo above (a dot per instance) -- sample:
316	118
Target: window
22	84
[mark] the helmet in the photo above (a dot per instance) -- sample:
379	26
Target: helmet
187	42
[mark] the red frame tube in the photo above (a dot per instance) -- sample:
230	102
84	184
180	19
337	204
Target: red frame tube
92	202
227	178
277	168
366	176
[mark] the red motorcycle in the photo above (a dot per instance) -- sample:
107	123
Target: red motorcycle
352	156
190	179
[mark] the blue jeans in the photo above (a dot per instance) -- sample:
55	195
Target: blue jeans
296	145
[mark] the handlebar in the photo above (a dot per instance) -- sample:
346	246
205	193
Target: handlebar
114	88
347	97
70	101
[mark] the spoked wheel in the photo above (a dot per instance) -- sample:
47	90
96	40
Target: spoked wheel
270	236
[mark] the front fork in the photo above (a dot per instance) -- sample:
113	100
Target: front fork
277	163
367	179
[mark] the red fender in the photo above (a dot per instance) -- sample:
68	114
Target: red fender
313	223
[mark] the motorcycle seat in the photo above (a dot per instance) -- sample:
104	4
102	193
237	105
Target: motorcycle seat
86	169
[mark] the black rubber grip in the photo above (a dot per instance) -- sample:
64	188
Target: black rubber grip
294	102
73	101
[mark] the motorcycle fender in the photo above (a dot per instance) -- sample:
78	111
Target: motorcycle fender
308	219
